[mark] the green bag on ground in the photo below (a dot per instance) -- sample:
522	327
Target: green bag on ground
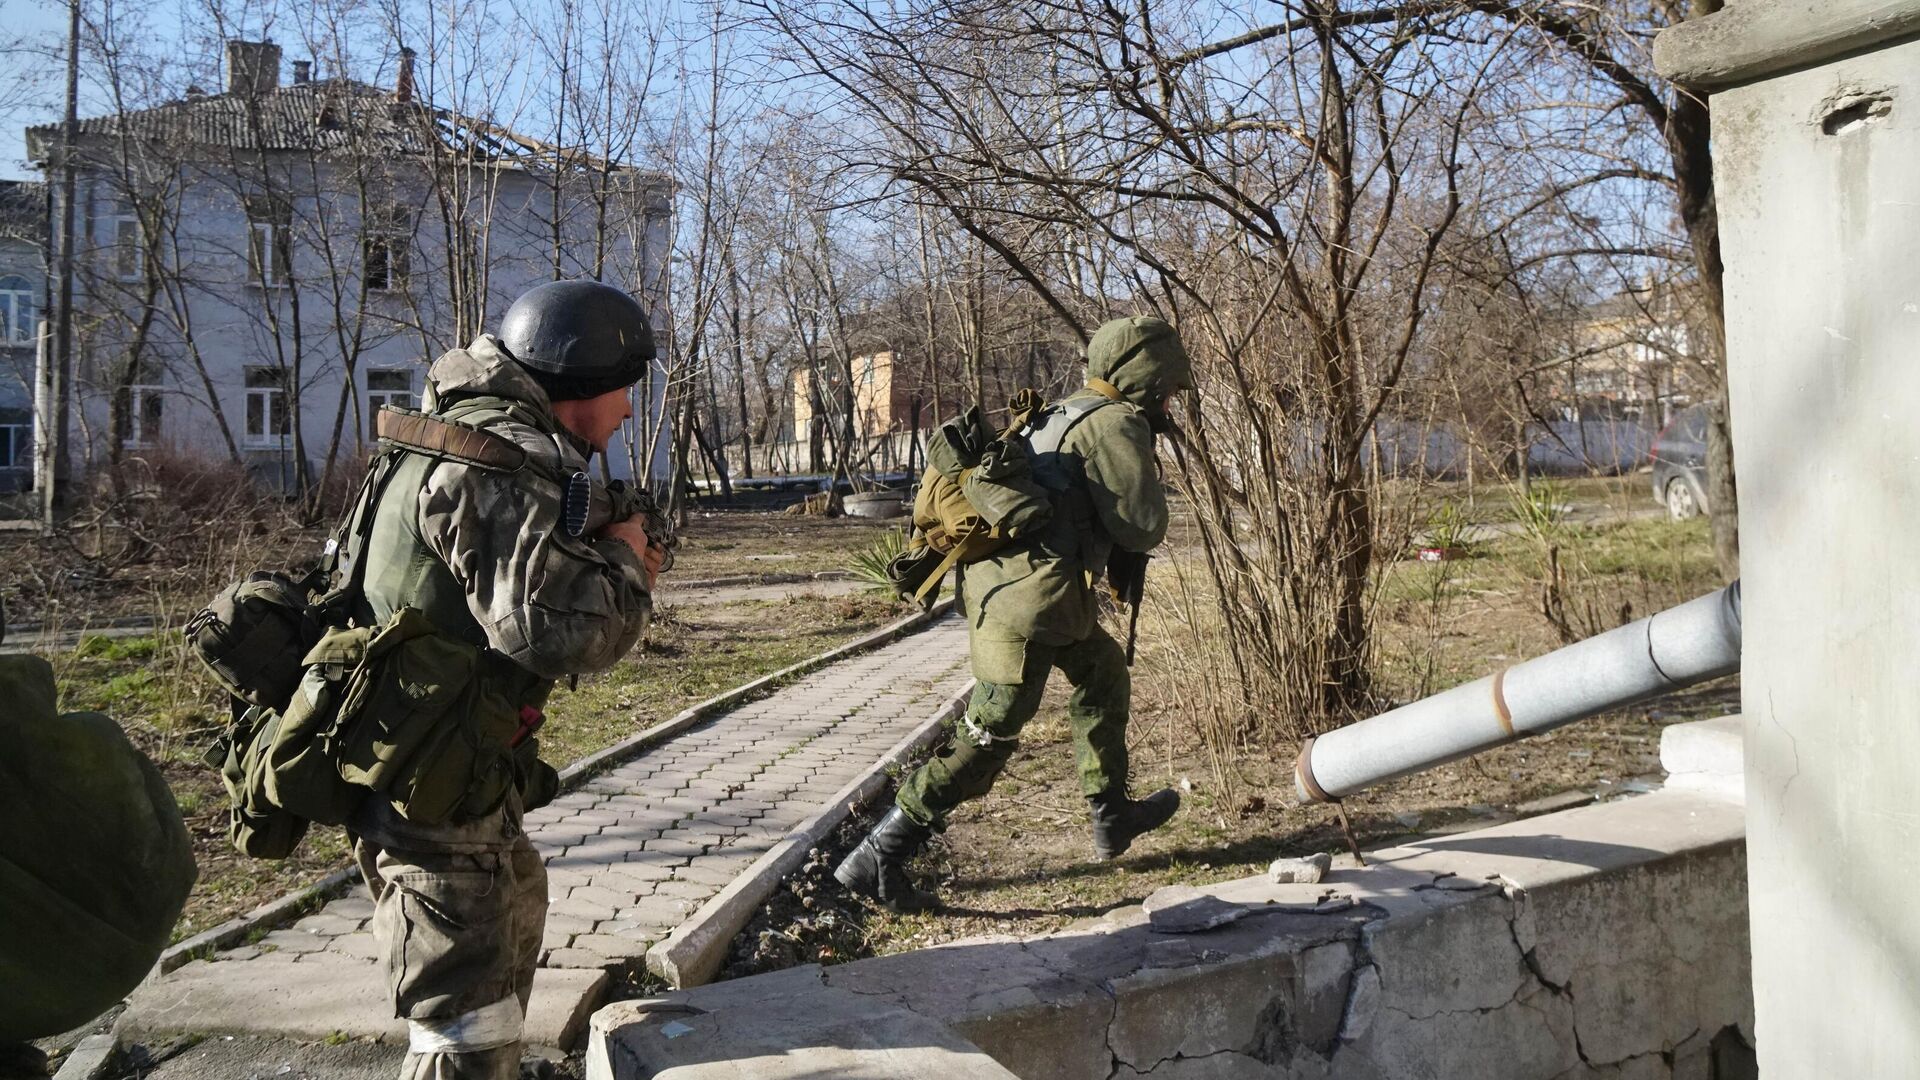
95	861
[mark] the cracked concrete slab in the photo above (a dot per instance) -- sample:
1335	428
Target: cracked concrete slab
1594	942
795	1036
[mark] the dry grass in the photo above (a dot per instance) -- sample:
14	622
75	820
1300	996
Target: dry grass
1019	860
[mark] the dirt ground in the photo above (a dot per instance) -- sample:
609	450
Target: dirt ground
1019	860
151	684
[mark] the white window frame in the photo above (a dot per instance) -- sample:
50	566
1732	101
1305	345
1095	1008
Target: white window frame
269	245
138	438
19	331
128	263
266	439
406	399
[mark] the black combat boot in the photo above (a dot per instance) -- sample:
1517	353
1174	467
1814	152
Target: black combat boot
877	869
1118	819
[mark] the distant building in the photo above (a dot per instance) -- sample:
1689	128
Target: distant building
258	270
1631	357
884	393
23	276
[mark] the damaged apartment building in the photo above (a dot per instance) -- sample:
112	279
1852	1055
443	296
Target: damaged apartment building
257	270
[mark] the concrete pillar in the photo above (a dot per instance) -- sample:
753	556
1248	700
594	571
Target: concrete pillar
1816	118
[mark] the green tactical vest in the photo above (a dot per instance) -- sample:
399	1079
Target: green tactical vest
403	571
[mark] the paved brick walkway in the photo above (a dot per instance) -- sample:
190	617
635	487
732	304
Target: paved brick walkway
636	850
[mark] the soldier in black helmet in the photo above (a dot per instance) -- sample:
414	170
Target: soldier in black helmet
500	560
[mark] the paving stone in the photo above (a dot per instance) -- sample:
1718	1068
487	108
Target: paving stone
630	855
574	958
581	908
673	845
570	924
600	895
612	946
357	906
292	941
361	945
326	925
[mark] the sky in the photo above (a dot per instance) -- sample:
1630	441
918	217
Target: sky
34	18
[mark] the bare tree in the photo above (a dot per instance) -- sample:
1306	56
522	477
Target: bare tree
1288	209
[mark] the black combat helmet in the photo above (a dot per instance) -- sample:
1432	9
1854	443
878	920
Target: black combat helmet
579	339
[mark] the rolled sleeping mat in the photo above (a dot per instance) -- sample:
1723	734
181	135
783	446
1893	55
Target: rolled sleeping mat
1684	645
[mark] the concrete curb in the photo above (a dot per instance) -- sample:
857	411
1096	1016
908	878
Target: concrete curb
693	952
267	916
279	912
94	1059
734	580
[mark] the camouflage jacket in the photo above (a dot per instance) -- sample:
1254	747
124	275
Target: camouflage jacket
484	555
1044	591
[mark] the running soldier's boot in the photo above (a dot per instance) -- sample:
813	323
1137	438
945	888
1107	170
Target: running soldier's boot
1118	819
877	868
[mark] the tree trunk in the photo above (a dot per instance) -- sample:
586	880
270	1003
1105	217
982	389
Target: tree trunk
1689	134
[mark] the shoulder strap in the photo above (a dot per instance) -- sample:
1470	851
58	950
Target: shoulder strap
422	433
402	432
349	541
1049	437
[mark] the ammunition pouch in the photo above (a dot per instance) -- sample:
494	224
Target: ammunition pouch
256	826
252	635
400	711
407	712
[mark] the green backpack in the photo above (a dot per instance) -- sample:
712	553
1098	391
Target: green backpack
981	492
327	714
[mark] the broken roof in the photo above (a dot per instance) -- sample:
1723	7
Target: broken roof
325	116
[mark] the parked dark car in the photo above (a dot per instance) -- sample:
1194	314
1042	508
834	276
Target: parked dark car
1679	458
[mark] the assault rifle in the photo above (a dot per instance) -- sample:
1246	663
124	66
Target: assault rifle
1127	578
617	500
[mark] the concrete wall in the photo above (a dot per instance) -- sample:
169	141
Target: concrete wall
1608	941
1817	160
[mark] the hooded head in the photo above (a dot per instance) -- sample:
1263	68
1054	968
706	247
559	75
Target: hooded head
1141	357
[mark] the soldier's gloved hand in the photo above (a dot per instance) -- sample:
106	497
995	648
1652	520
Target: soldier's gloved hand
633	533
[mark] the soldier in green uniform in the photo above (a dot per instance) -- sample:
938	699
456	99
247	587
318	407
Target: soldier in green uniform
488	557
1032	608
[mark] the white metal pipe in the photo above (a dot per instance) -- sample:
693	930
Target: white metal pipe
1691	643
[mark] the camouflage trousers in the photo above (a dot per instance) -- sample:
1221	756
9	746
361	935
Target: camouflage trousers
979	746
460	936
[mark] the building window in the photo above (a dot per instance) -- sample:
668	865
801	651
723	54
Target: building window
387	388
269	241
140	423
16	446
19	315
267	418
127	263
384	251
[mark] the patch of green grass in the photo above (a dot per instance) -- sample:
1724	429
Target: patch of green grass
102	647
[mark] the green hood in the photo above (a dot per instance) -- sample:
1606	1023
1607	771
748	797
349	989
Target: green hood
1142	357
